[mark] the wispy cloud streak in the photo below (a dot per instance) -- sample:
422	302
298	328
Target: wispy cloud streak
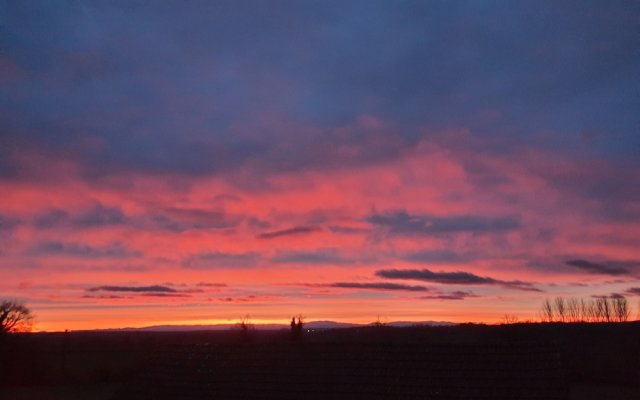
378	286
297	230
598	268
454	278
135	289
403	223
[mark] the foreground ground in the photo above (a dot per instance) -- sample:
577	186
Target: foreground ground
597	361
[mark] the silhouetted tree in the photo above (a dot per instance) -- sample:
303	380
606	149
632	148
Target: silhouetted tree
603	309
585	311
608	309
246	328
573	309
547	311
595	314
561	309
296	327
600	309
379	322
14	317
620	308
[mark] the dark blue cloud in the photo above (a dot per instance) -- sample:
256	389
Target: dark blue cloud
390	286
211	284
81	250
51	218
100	216
221	259
170	219
162	294
169	223
453	278
347	230
8	223
296	230
455	295
439	256
8	167
378	286
185	88
604	268
321	256
182	219
136	289
403	223
633	291
97	216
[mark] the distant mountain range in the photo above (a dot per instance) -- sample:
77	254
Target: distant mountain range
314	325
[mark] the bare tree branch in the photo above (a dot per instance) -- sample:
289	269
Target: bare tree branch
14	317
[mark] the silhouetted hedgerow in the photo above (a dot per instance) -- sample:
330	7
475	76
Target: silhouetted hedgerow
613	308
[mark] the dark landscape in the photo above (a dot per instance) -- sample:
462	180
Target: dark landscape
468	361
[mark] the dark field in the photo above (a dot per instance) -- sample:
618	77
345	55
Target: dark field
570	361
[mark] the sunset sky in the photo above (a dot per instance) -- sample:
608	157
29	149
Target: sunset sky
190	162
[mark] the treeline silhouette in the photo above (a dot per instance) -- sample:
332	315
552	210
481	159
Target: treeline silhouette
247	331
599	309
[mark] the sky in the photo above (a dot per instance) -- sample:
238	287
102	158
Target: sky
193	162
